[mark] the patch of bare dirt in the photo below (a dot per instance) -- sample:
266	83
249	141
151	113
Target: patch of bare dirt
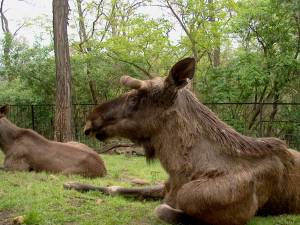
70	223
6	217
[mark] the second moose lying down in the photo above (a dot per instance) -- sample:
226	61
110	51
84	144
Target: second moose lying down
26	150
216	175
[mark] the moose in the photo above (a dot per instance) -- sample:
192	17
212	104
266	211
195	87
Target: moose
217	176
26	150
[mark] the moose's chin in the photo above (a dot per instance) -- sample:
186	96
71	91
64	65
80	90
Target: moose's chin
101	136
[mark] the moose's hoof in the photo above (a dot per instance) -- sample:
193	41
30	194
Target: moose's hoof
168	214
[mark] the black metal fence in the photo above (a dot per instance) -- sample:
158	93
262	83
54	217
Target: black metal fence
280	120
41	119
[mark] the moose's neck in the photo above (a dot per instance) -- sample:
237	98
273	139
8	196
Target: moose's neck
173	142
192	132
8	133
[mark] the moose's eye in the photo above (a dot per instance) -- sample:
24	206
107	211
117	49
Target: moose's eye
133	102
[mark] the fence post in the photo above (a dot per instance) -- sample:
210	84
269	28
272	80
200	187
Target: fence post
32	117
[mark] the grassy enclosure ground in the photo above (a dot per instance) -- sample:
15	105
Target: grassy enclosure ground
41	199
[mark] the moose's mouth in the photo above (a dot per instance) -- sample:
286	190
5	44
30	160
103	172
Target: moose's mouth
101	136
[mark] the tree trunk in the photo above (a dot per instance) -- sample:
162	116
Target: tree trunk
216	55
7	46
276	97
216	51
63	110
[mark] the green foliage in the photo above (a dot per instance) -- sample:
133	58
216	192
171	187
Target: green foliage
144	44
14	92
32	75
237	81
259	61
262	67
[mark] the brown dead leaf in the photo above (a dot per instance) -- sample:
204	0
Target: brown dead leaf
18	220
99	201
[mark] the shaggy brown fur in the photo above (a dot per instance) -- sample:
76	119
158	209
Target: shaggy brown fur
216	175
26	150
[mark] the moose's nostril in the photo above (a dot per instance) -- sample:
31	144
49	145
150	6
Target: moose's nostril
87	132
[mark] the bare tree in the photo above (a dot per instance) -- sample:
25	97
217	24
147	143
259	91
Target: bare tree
180	19
4	21
63	110
7	44
177	9
8	40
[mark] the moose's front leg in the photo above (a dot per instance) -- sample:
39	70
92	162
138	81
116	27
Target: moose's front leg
167	212
226	200
172	186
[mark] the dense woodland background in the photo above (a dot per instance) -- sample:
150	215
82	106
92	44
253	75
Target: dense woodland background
247	51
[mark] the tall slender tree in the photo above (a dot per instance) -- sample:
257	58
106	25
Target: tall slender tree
63	110
216	52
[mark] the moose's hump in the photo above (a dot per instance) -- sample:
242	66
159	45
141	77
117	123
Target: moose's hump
230	141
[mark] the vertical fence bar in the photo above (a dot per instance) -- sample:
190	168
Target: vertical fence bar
261	120
32	117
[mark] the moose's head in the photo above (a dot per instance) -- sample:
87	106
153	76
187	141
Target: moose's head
3	111
136	114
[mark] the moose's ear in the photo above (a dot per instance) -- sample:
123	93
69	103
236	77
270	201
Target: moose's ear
181	71
4	109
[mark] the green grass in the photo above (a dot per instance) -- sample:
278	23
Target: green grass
41	199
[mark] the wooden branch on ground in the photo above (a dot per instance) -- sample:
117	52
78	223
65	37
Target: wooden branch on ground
144	193
114	146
